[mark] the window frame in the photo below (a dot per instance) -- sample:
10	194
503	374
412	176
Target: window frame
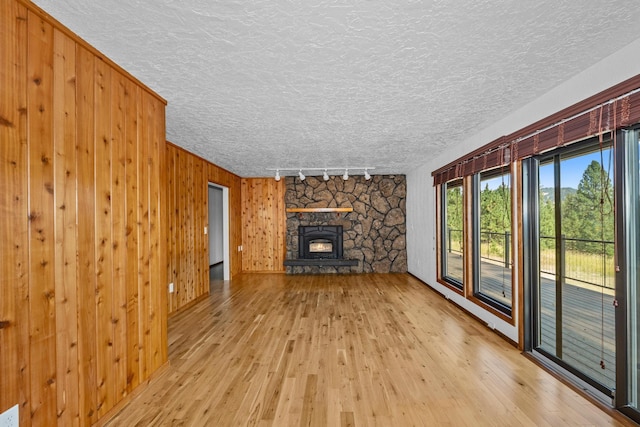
627	249
492	305
442	202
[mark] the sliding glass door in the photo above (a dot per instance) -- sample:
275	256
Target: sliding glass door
573	277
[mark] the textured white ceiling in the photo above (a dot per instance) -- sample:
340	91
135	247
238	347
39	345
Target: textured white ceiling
258	84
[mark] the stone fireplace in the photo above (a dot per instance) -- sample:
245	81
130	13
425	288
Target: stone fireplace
373	231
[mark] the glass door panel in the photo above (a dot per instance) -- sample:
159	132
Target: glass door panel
632	248
547	281
576	285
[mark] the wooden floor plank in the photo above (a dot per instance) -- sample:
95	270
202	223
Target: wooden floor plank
350	350
588	319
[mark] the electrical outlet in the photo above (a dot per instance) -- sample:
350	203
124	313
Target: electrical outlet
205	230
10	417
171	287
240	248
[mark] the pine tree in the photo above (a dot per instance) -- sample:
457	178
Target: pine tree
454	216
588	214
495	217
547	222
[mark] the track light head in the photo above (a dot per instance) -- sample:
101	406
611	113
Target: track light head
366	175
277	174
301	175
346	174
325	175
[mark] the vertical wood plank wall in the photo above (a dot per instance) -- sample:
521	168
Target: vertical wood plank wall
187	178
82	263
222	177
264	225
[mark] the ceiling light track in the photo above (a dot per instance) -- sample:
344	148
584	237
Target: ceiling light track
325	172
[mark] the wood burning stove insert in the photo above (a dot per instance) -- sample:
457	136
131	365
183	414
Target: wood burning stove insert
320	242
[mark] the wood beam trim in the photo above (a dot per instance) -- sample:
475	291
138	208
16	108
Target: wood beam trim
302	210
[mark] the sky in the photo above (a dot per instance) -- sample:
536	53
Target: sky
573	168
495	182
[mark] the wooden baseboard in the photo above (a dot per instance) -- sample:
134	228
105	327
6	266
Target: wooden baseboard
188	305
129	397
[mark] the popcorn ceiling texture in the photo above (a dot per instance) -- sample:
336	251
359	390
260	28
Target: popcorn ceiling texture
257	84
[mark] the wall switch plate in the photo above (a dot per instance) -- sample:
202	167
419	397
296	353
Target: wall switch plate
205	230
240	248
10	417
171	287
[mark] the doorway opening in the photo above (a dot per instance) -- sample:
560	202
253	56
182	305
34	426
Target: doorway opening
218	211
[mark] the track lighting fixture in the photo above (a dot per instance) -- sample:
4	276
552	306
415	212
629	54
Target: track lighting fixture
326	173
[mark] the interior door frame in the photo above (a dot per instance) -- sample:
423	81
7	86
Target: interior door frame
226	260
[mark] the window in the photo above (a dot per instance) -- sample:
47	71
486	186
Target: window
492	240
577	199
452	240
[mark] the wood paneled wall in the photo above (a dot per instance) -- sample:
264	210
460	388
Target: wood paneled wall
264	228
225	178
188	205
82	268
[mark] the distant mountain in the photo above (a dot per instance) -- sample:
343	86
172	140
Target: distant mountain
548	193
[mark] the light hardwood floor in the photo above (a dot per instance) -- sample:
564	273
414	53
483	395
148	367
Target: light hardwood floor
346	350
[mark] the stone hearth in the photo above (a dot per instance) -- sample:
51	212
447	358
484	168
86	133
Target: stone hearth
374	233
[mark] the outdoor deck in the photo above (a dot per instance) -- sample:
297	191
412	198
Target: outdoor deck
588	319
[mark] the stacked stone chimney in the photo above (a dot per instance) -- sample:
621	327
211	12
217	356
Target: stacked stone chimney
374	233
